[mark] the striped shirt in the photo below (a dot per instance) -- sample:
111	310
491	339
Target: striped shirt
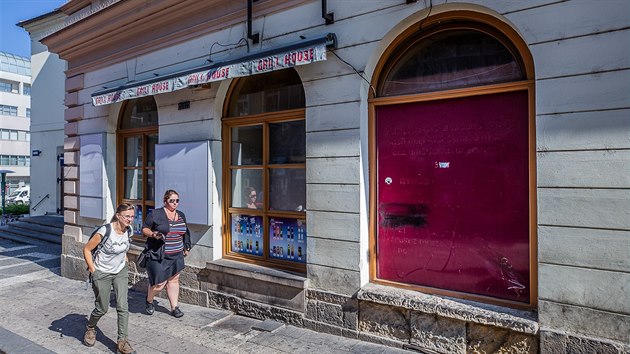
174	240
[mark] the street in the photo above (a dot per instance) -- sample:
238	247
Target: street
44	309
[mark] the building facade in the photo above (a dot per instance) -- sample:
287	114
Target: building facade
430	175
15	113
47	124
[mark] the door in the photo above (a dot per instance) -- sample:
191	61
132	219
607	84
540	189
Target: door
453	194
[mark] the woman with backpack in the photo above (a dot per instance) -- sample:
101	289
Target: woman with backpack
106	257
168	240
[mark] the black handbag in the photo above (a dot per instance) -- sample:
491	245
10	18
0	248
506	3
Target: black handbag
143	258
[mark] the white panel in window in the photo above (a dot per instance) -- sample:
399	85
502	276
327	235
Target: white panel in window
92	175
185	167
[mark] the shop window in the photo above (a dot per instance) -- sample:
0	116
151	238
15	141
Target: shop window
137	136
452	212
265	171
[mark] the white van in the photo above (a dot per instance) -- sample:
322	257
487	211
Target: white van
21	195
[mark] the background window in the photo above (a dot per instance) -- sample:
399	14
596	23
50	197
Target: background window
8	110
8	86
137	136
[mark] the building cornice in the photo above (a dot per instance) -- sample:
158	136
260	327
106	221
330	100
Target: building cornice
128	28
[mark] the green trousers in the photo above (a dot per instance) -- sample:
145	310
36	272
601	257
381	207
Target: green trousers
102	284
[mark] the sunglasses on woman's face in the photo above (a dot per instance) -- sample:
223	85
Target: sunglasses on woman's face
252	195
127	217
173	201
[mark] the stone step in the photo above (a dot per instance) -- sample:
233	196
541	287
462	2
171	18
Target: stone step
24	235
30	241
45	220
40	228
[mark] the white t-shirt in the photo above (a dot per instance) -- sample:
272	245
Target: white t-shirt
111	258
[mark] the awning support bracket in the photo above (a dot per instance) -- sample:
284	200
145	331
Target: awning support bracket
255	37
329	17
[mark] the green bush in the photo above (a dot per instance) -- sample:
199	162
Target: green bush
15	209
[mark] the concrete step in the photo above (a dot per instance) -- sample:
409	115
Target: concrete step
30	241
24	235
22	224
40	228
45	220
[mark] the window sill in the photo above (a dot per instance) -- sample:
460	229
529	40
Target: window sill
257	272
254	283
468	311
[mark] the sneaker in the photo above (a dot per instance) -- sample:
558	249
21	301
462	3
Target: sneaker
150	308
124	347
177	313
89	338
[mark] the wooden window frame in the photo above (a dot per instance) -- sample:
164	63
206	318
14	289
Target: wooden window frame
121	136
446	21
263	119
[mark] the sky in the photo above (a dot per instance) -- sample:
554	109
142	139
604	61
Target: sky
14	39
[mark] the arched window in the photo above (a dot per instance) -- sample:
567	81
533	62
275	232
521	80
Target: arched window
265	171
466	56
137	135
453	180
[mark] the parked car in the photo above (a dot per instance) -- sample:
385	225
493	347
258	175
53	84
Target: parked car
21	195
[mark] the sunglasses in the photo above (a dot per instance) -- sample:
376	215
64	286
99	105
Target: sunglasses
253	196
127	217
173	201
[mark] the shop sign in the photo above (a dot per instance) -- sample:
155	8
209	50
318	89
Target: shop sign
265	64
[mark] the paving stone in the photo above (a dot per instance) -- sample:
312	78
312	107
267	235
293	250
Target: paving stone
238	324
52	312
268	326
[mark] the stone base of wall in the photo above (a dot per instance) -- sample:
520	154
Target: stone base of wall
553	342
72	262
409	320
378	314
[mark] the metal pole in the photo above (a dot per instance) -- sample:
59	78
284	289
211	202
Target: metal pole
4	186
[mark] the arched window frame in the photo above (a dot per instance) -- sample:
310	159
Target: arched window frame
512	40
264	119
145	204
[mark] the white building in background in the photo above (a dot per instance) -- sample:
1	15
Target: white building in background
15	121
47	124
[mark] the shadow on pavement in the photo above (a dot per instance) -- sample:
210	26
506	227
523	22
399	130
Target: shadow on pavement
137	303
73	325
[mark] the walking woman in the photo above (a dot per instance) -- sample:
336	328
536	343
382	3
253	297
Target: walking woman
168	239
109	268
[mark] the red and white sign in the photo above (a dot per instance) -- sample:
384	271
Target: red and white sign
273	62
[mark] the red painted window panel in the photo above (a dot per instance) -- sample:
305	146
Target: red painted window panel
453	195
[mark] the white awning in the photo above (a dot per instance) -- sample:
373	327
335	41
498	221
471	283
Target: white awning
299	53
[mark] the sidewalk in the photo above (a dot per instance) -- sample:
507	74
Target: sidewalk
50	314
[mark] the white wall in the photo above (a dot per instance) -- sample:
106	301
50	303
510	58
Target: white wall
47	122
